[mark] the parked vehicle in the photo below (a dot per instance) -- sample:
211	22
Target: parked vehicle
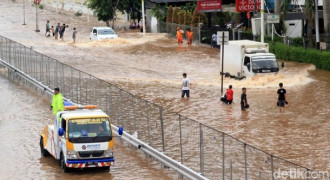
101	33
81	137
245	58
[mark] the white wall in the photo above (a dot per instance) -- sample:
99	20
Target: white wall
294	28
302	2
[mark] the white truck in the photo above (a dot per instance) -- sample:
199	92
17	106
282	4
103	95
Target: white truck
245	58
81	137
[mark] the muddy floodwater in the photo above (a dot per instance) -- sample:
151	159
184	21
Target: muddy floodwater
23	115
152	68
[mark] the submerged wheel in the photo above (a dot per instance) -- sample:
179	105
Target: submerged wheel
63	164
43	151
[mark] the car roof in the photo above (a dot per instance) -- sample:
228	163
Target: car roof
102	27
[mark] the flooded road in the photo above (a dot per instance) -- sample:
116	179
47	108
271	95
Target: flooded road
23	115
152	67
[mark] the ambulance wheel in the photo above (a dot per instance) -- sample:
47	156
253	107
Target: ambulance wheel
63	164
44	152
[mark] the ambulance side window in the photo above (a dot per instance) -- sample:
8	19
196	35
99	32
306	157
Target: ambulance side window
63	124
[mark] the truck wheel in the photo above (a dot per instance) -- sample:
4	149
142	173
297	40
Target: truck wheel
63	164
44	152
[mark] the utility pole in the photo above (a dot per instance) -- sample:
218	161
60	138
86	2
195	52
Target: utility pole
262	20
37	21
24	12
143	20
317	29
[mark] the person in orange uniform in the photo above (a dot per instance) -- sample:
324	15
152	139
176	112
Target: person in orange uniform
179	35
189	35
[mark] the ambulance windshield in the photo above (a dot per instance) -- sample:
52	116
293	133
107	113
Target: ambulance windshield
89	130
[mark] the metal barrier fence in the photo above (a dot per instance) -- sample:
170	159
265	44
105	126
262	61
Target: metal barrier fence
204	149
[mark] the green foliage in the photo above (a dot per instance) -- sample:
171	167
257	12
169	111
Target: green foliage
159	11
169	14
298	41
41	6
78	13
187	18
299	54
198	18
105	9
189	7
181	17
175	18
131	7
220	18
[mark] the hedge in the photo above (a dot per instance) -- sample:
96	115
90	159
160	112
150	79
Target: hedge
299	54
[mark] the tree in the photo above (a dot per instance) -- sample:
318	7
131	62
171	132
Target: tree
175	18
105	9
181	17
158	11
187	18
130	7
169	14
198	18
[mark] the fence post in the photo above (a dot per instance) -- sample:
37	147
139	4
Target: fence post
259	175
121	108
180	139
148	121
79	79
272	166
231	170
223	156
245	164
162	127
307	174
201	146
134	114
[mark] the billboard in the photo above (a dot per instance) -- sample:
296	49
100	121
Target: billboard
209	5
247	5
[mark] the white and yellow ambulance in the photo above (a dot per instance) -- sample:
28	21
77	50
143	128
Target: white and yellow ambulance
81	137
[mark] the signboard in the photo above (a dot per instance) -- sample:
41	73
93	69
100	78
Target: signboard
247	5
273	19
209	5
220	37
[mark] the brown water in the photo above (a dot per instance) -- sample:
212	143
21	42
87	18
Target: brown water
23	115
152	68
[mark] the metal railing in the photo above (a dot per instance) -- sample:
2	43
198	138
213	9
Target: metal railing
210	152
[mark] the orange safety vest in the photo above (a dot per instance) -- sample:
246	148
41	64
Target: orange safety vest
189	34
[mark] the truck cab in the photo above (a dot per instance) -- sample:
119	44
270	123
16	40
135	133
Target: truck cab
81	137
259	63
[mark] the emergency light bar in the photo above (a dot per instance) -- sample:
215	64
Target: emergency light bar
80	107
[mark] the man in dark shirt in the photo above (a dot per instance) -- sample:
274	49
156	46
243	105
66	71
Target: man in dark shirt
244	103
281	97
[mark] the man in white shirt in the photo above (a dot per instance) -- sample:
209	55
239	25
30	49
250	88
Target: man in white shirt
186	85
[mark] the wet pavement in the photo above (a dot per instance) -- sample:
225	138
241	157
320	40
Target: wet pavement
151	68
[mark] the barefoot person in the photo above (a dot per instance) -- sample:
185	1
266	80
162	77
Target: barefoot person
74	35
230	95
244	103
281	98
179	33
190	36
